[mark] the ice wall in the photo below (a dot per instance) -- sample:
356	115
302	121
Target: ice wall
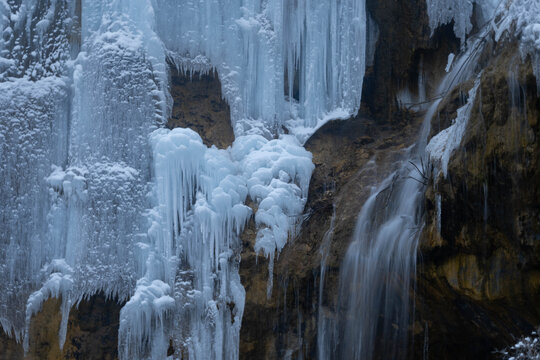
97	197
264	50
34	112
74	153
119	79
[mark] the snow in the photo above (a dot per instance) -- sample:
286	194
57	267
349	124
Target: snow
442	145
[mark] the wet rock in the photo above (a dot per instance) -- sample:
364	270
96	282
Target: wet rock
92	332
477	283
198	104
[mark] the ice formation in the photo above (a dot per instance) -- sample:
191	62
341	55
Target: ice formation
525	16
521	18
442	12
97	197
263	49
34	116
442	145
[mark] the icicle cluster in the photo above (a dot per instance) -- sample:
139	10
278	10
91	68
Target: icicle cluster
94	198
193	243
281	63
442	12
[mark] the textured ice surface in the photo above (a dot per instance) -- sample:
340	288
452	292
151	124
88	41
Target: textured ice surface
74	153
34	112
277	173
33	126
95	197
194	241
442	12
525	15
262	50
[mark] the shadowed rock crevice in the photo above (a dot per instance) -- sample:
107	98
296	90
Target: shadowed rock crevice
92	332
198	105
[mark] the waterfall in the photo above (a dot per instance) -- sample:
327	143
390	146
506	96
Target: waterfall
376	275
322	319
376	287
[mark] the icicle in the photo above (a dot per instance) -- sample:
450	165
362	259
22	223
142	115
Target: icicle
442	145
321	45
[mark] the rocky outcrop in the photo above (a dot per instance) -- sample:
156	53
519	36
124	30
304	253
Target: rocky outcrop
198	104
92	332
478	281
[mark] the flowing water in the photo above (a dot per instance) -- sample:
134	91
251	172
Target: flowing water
376	289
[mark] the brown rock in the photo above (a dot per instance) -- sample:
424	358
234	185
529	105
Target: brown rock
199	105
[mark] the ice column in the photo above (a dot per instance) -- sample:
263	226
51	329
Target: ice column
34	112
264	50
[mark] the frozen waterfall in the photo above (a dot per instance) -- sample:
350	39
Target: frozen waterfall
98	197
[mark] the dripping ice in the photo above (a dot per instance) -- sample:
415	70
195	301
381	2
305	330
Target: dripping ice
265	47
144	214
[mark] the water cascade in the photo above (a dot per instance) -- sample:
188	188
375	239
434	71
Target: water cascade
375	301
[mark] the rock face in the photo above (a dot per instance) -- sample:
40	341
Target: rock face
286	322
197	104
478	282
92	332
